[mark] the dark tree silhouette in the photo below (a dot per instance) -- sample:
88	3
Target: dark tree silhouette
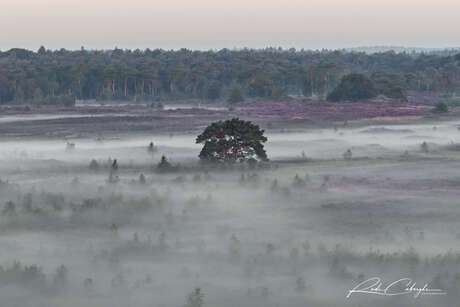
231	141
236	95
115	165
164	164
353	87
440	107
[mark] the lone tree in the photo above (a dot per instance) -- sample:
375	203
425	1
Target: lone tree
232	140
353	87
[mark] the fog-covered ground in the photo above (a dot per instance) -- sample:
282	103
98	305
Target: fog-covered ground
300	231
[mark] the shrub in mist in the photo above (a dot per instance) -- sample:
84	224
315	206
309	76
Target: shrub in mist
298	182
242	179
325	183
440	107
235	246
162	241
306	247
195	299
294	254
347	155
113	178
269	248
94	165
421	235
196	178
118	281
27	202
169	218
252	179
114	166
300	285
70	146
60	278
338	269
88	283
151	149
274	187
164	165
424	147
265	292
9	209
22	275
114	228
405	155
179	179
142	179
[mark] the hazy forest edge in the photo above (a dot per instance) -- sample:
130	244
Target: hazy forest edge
62	77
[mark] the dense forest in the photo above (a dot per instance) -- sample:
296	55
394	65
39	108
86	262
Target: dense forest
52	77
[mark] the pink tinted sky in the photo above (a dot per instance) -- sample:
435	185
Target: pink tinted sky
204	24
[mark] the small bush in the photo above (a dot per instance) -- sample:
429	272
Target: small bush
440	107
195	299
164	165
94	165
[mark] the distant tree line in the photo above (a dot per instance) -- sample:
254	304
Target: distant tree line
60	77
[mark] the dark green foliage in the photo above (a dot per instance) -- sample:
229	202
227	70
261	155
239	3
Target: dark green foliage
61	100
353	87
164	164
321	79
232	140
391	85
51	77
236	95
395	93
214	90
440	107
261	86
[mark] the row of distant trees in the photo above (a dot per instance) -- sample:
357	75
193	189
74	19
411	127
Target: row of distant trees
50	77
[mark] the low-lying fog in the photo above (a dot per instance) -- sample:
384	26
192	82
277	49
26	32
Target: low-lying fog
333	208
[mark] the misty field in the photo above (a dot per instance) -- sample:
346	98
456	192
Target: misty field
333	207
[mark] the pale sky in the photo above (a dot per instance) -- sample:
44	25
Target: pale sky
206	24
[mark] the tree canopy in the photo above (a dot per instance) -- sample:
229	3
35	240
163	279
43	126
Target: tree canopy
353	87
236	95
232	140
61	76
